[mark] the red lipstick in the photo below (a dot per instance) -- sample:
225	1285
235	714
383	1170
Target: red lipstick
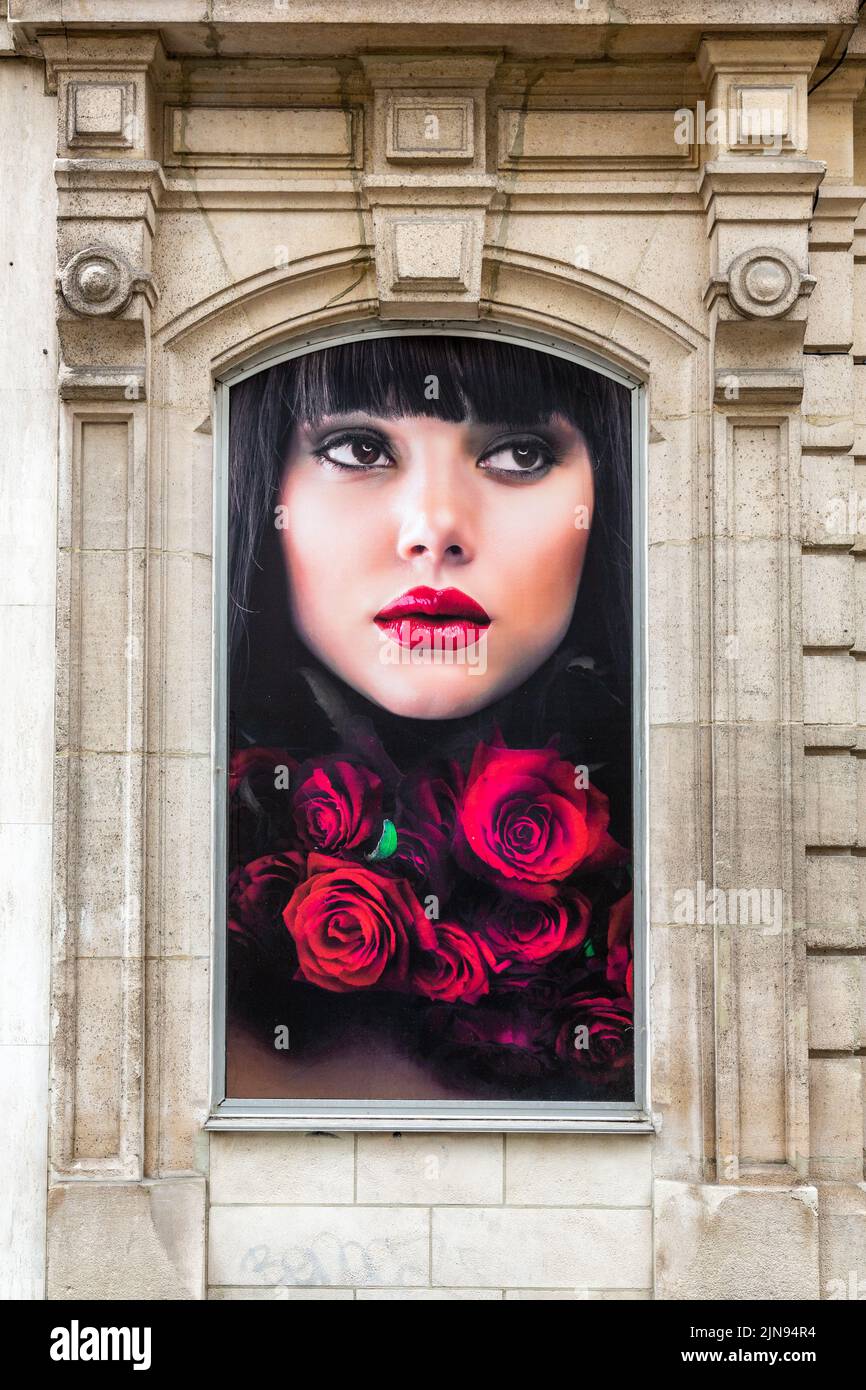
433	617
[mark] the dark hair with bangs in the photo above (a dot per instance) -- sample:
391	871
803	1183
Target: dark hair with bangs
486	380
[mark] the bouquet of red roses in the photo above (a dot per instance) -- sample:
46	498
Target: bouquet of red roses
494	892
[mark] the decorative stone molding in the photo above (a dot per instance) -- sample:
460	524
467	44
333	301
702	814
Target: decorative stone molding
434	253
100	113
758	216
294	137
560	139
764	117
106	224
765	283
428	128
429	230
757	91
429	250
104	89
103	383
98	282
429	108
108	193
754	386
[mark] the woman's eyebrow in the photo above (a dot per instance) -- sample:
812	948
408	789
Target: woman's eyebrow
546	426
341	419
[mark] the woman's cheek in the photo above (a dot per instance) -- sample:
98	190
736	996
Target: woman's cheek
546	553
321	547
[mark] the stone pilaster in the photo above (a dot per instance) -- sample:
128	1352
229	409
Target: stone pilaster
758	188
110	184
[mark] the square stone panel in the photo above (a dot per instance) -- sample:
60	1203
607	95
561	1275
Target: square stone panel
431	250
762	117
100	113
428	264
437	128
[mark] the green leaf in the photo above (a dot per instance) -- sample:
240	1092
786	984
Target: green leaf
387	842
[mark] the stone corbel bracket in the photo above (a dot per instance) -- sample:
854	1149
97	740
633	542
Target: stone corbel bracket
98	282
762	283
106	293
758	217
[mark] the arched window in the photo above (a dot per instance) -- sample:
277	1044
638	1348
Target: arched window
429	723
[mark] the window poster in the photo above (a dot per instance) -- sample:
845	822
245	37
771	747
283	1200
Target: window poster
429	891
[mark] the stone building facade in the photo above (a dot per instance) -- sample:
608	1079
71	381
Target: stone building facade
677	186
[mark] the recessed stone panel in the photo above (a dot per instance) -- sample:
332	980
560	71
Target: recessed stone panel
440	128
274	137
559	139
100	113
762	117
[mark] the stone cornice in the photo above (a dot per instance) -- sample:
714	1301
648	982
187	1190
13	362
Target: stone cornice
100	189
430	70
625	13
602	29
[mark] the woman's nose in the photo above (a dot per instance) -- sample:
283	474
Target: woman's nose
435	522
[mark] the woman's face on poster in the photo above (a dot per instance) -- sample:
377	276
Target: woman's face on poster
433	565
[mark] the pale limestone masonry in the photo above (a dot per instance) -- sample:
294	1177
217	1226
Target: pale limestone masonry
180	193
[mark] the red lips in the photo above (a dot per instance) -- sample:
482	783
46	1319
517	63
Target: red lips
427	616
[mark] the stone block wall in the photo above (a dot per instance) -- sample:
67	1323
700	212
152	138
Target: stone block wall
425	1216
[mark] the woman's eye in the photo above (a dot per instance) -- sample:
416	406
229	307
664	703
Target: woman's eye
355	452
522	457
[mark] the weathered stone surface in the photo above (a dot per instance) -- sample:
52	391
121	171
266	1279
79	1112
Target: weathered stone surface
842	1224
735	1242
578	1170
127	1240
430	1169
279	1168
319	1245
588	1247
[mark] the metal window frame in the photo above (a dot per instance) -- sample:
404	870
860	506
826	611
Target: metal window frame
430	1116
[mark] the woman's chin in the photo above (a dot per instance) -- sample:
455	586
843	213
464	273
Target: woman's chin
438	695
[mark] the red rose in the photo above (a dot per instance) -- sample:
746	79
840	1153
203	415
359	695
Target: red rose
620	944
456	969
594	1033
337	805
530	931
353	928
258	767
524	824
426	813
258	892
